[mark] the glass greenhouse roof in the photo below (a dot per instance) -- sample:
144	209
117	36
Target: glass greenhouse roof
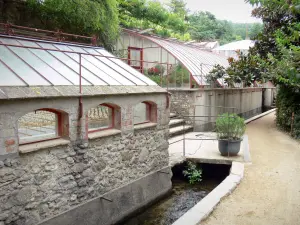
31	62
197	61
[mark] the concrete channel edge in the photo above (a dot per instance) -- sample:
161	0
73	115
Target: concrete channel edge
259	116
205	207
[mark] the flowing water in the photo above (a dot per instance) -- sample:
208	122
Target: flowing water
184	196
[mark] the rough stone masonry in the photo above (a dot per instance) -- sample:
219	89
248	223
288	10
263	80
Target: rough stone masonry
39	185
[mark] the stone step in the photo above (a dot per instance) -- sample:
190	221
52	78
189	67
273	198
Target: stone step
172	115
179	130
176	122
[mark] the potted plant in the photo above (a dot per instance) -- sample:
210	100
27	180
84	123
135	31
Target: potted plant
230	129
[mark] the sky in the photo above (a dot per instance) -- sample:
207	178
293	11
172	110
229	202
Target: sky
234	10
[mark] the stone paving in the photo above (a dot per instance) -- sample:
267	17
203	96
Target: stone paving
203	149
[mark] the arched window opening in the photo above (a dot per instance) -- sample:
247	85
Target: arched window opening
145	112
40	125
142	113
101	117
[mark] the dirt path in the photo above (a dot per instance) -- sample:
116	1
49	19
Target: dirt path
270	191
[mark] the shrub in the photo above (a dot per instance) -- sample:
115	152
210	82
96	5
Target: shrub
179	75
193	173
156	70
230	126
287	103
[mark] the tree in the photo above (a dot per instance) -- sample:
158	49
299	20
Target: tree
255	29
85	17
145	14
276	56
178	7
203	26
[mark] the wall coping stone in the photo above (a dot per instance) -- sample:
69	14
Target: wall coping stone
42	145
215	89
144	126
260	115
73	91
103	133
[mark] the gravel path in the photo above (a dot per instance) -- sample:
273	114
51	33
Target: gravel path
269	194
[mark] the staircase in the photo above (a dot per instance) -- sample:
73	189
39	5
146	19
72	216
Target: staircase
177	126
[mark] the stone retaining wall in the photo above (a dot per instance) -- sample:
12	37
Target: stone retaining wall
208	103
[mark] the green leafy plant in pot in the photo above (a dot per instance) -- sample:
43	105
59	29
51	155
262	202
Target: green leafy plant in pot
230	129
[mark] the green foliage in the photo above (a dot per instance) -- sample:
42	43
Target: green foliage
240	29
193	173
83	17
89	17
86	17
230	127
205	27
255	30
296	124
145	14
174	21
246	69
287	103
276	53
158	69
276	57
178	7
216	73
179	75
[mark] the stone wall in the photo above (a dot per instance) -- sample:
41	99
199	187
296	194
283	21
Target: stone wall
39	185
208	103
182	104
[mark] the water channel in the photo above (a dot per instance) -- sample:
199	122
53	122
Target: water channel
183	196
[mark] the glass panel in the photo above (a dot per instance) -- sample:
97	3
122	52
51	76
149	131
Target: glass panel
116	67
135	55
55	63
8	78
108	70
54	77
37	126
74	65
127	67
20	68
87	63
49	73
100	117
141	113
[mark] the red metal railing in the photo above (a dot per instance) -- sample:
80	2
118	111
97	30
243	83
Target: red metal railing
11	29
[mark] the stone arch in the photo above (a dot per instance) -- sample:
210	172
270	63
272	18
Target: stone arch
103	116
145	112
42	124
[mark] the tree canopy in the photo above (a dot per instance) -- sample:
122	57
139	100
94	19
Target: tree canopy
145	14
204	26
85	17
104	17
276	57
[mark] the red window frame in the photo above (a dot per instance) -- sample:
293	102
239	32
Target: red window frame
148	114
141	50
59	128
107	128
